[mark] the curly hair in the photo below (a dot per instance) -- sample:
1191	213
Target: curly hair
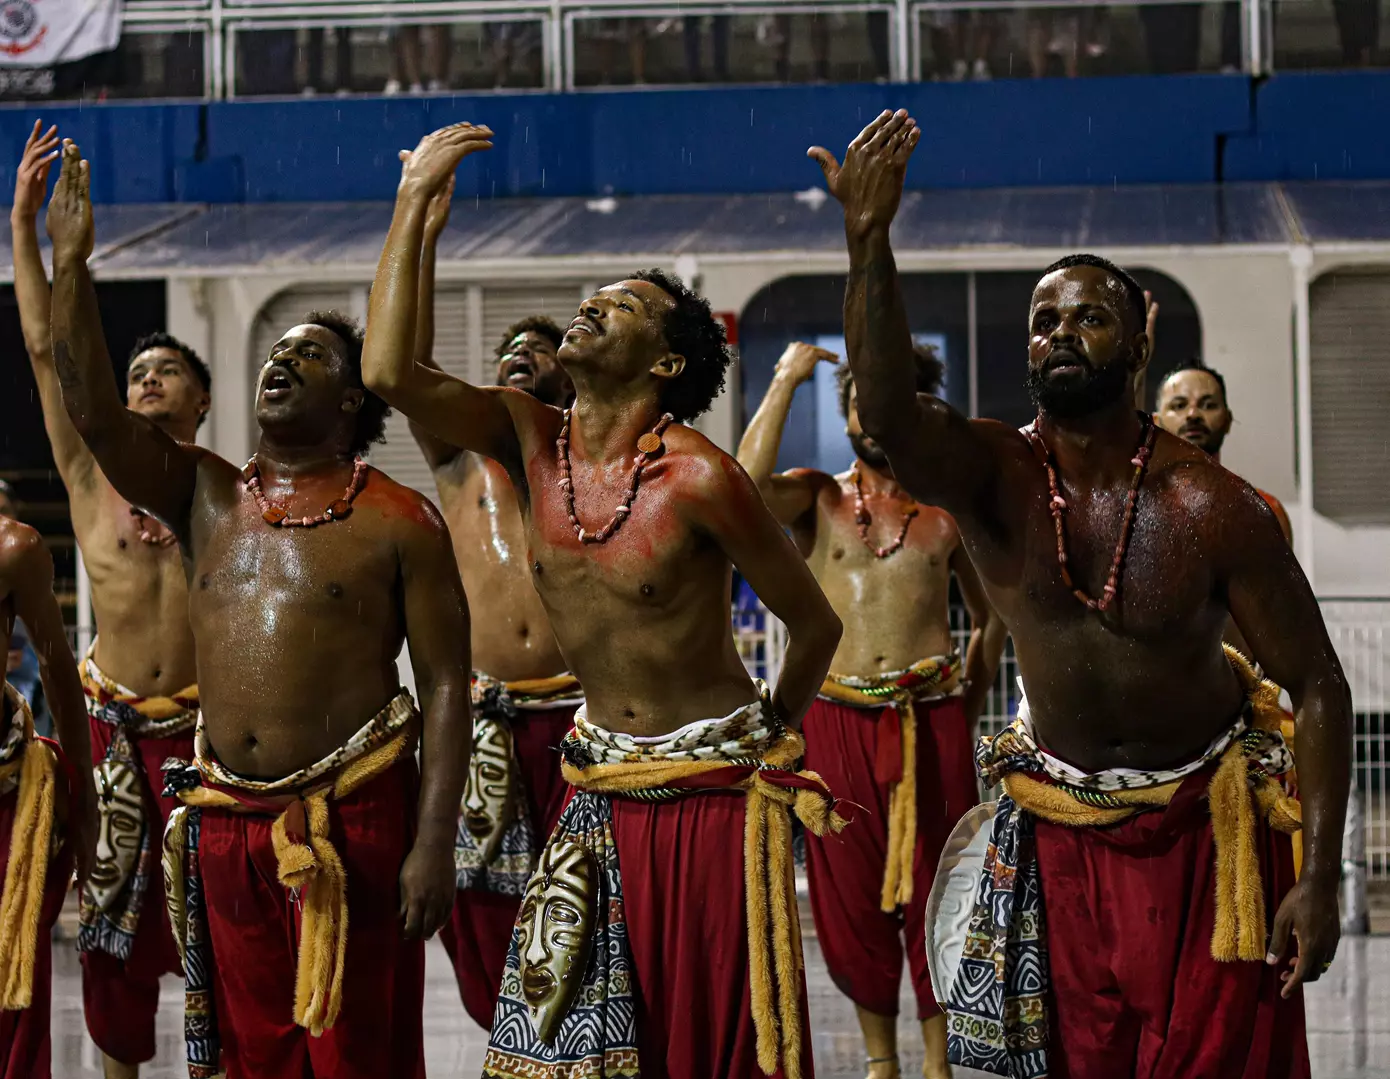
930	373
537	324
371	418
1134	292
693	332
161	340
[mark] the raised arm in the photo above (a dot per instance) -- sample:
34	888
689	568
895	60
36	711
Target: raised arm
75	463
148	468
436	626
1276	612
451	410
936	453
987	636
790	496
30	569
438	453
734	515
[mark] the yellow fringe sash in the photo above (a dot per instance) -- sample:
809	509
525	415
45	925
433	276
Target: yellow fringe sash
31	833
1234	794
774	930
935	676
307	860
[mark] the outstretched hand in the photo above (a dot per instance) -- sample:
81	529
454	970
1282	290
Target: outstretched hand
425	169
799	360
70	210
31	179
869	183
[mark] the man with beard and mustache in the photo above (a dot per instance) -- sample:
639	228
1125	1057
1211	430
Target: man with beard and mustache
311	855
1136	858
659	934
523	696
139	675
1192	405
892	727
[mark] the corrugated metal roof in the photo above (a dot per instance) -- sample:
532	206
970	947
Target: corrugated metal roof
220	239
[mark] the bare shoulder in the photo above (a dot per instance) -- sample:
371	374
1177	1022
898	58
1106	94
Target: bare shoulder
529	414
706	478
402	508
1226	509
23	554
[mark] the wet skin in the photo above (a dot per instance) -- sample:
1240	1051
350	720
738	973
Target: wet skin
895	610
139	595
643	619
1145	683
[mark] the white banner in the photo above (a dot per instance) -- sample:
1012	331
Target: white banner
41	33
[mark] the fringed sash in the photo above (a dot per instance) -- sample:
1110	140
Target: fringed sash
29	764
749	751
306	858
114	896
895	755
497	705
997	1006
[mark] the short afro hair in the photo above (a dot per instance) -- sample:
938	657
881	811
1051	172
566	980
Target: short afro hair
161	340
1196	365
1134	292
930	373
693	332
371	418
538	324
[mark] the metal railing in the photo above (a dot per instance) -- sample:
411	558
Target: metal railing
905	44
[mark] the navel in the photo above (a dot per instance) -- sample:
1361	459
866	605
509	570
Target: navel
335	590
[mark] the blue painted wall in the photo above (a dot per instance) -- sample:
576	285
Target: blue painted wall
1013	133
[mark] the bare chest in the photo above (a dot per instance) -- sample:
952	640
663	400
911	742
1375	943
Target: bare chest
485	524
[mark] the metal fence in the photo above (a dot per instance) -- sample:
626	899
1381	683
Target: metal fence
1358	629
226	48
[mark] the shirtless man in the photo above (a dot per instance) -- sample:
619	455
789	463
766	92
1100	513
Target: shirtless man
885	563
40	793
523	698
307	572
1153	952
633	945
140	680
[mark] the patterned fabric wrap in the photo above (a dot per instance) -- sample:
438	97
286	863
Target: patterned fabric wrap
111	929
934	676
202	1043
498	704
996	1010
598	1037
739	738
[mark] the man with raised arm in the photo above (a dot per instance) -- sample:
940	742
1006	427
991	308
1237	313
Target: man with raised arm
48	816
892	727
311	856
659	931
523	697
139	676
1136	862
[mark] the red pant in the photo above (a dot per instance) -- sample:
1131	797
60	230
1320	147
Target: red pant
477	934
863	945
1135	991
683	894
25	1049
253	922
120	997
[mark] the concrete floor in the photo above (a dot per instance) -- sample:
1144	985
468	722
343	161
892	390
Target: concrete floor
1348	1019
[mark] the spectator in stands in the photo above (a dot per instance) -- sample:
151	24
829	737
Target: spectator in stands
22	663
407	71
609	34
316	80
961	42
719	39
1358	27
506	43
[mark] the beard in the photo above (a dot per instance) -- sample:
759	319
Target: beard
1097	389
1206	439
868	451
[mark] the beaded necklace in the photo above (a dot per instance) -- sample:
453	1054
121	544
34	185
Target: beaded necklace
1058	506
862	517
152	532
279	516
648	447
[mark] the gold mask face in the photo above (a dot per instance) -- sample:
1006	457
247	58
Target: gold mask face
173	865
557	933
487	801
121	810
